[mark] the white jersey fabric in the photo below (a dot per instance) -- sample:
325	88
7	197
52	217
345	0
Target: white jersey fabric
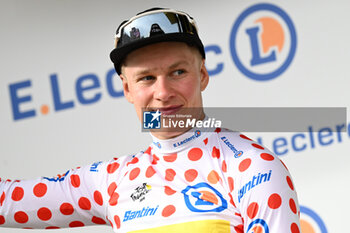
217	182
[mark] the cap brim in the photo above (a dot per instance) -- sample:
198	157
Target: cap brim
119	54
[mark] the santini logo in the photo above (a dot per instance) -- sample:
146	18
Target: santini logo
130	215
256	180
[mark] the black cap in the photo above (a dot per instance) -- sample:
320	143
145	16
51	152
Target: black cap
188	34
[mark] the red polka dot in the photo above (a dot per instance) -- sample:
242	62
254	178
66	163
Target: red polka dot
111	188
17	194
98	198
97	220
252	210
2	198
21	217
230	183
205	141
75	181
66	209
215	152
148	151
244	165
294	228
169	191
213	177
52	227
274	201
267	156
195	154
170	174
155	159
170	158
224	166
290	183
40	190
133	161
239	228
84	203
2	219
168	210
191	175
44	214
218	130
150	171
114	199
292	205
117	221
111	168
76	224
257	146
245	137
134	173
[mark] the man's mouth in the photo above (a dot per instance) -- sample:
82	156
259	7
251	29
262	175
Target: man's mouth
170	110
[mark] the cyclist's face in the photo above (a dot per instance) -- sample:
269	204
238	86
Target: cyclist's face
167	76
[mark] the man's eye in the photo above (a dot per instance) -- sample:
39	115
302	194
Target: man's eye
179	72
146	78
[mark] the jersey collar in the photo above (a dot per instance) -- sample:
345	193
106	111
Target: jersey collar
181	142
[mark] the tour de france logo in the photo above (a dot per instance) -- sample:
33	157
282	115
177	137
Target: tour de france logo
263	42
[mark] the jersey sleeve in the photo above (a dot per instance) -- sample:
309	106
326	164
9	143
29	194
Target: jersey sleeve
74	199
263	189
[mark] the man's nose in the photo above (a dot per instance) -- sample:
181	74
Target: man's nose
163	89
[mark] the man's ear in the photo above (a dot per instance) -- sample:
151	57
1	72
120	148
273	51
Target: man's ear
127	93
204	76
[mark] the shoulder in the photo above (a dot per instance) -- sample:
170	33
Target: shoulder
246	155
124	161
237	144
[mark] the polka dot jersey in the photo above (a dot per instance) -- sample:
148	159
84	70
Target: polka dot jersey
218	182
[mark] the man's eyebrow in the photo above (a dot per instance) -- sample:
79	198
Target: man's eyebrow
143	72
176	64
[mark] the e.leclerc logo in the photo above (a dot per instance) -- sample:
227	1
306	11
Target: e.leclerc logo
258	225
88	90
311	222
204	198
263	42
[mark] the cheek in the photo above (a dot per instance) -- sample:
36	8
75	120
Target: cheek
191	89
140	96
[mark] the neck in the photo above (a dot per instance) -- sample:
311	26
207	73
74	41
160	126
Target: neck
173	128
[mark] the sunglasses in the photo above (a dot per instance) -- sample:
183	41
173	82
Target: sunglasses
153	23
154	26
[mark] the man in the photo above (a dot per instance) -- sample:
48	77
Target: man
188	180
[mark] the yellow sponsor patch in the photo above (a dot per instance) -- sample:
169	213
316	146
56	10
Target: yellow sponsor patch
203	226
